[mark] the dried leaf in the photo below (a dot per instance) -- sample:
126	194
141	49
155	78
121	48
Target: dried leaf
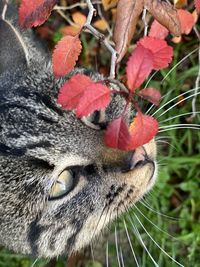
158	30
187	21
128	12
139	66
65	55
101	24
35	12
162	52
72	90
95	97
107	4
117	134
142	130
165	14
151	94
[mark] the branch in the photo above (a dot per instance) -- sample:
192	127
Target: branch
145	22
101	37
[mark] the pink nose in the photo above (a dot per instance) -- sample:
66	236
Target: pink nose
139	157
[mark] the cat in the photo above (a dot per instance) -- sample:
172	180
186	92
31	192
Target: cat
59	184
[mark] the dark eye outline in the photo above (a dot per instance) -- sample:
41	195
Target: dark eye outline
76	172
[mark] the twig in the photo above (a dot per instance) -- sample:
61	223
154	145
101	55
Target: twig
101	37
62	14
74	6
145	22
197	82
120	85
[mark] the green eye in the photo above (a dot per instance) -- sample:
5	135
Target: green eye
63	184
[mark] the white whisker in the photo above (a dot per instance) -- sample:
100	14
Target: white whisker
150	78
143	202
184	99
153	223
130	244
176	128
188	55
180	115
179	124
117	248
35	261
137	234
107	251
171	100
156	242
122	258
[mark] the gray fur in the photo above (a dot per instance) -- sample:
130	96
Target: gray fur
38	140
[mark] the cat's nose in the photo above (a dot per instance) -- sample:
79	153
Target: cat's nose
134	159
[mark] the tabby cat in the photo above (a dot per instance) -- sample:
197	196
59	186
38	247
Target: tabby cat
59	184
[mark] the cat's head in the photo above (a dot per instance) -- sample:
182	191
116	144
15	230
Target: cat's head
59	184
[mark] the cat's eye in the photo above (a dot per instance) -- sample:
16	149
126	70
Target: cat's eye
63	184
96	120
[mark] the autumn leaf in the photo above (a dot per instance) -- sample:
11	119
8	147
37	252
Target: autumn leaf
197	5
107	4
162	52
70	30
139	66
142	130
35	12
72	90
158	30
65	55
128	12
187	21
165	14
95	97
151	94
117	134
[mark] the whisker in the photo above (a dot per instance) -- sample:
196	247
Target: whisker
179	124
165	142
121	257
157	243
153	223
137	234
190	96
171	100
150	78
180	115
117	248
142	201
176	128
184	58
130	243
107	251
35	261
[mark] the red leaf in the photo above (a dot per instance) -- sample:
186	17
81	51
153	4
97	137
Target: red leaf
117	134
66	54
138	67
197	5
72	90
162	52
142	130
158	30
187	21
35	12
151	94
95	97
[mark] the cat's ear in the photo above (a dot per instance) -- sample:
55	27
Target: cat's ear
13	51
